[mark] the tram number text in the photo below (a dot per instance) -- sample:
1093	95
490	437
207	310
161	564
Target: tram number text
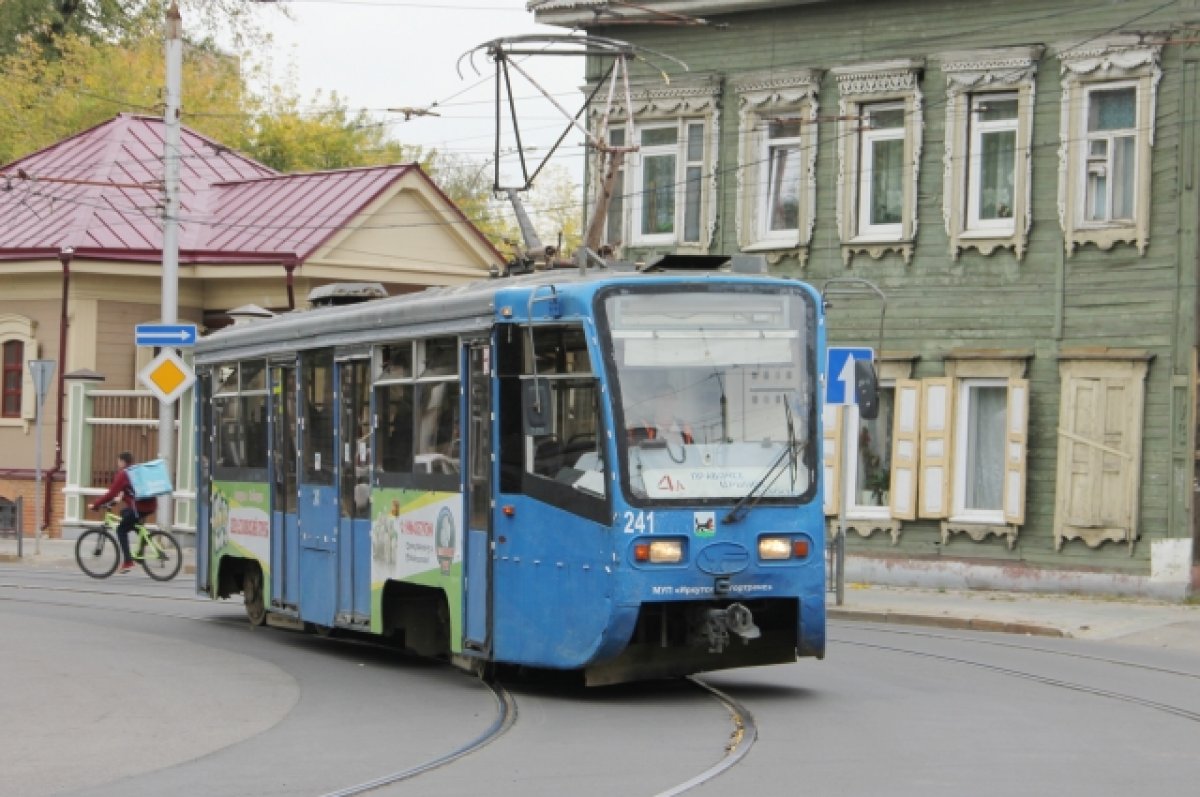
639	522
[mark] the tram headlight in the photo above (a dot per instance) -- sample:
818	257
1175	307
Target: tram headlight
659	552
775	548
779	548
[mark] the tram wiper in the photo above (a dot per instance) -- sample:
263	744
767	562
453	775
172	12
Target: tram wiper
789	455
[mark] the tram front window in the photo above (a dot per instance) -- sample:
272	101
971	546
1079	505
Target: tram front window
715	393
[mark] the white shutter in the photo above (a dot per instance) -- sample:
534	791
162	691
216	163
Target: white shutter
1015	448
832	419
906	440
937	415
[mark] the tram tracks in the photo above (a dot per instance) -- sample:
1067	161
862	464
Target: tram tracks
742	736
1046	680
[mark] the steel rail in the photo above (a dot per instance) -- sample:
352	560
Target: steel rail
743	737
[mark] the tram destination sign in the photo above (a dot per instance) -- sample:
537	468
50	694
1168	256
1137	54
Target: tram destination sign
165	335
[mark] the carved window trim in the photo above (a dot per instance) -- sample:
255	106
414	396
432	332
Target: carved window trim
969	75
762	97
860	86
1113	60
655	105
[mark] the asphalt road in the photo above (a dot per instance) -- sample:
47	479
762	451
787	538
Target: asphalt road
126	687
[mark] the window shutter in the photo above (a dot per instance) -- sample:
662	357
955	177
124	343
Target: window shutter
28	392
937	397
832	419
1015	447
906	433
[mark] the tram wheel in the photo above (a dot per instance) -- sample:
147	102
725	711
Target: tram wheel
252	594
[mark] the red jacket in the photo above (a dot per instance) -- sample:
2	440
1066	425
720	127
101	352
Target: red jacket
121	486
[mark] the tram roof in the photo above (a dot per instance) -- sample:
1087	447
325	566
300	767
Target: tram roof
434	311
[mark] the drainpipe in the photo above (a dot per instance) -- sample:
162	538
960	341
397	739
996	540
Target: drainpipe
64	256
290	266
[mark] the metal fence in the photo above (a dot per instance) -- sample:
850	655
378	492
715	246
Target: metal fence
122	422
835	564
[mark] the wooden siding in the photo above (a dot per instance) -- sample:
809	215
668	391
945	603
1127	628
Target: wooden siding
1046	302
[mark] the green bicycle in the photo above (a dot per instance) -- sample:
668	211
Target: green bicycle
99	554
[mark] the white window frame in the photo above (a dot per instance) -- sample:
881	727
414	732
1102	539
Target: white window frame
975	76
860	87
681	104
764	98
855	510
960	513
869	138
637	189
978	129
1107	63
1109	137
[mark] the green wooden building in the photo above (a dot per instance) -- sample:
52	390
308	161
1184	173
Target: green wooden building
1020	179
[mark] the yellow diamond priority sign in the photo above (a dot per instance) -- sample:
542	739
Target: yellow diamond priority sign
167	376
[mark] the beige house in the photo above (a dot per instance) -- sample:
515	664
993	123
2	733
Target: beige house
81	253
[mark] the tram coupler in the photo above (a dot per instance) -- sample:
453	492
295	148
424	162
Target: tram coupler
717	624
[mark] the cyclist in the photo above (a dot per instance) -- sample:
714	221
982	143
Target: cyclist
134	511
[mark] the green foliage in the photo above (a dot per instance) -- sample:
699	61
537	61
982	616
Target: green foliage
79	63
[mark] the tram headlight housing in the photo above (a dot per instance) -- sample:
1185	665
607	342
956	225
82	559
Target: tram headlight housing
778	548
659	552
774	547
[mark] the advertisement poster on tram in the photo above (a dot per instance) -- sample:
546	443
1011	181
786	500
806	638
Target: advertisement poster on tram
415	533
240	521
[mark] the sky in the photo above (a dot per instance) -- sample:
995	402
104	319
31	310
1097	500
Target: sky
381	54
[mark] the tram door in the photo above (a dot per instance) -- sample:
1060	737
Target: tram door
285	535
317	505
354	514
204	444
478	456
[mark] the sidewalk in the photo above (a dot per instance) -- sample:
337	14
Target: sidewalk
60	554
1137	621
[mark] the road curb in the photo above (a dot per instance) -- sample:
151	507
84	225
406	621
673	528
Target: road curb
943	621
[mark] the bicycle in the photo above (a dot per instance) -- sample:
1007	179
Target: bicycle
99	553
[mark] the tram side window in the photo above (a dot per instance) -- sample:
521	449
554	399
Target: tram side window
394	405
551	434
239	416
252	385
316	371
417	410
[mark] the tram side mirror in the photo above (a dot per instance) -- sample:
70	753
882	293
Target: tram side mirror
866	389
536	401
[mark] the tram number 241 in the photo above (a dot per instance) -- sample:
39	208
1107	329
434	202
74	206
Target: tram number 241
639	522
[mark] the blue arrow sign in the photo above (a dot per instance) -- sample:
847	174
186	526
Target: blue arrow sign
839	373
165	335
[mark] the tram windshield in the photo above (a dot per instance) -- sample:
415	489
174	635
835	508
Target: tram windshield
715	392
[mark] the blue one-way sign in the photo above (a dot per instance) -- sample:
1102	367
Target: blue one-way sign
839	373
165	335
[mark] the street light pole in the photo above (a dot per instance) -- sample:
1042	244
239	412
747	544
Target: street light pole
42	372
170	254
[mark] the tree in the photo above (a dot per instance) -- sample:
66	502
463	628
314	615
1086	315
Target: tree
48	22
45	100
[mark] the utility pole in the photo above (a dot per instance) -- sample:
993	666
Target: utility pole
170	252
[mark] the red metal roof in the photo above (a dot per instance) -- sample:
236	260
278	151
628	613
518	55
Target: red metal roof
99	192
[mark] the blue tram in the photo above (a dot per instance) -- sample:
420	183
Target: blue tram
615	472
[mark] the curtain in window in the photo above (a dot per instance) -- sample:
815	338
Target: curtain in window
997	164
658	194
784	188
887	181
987	409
